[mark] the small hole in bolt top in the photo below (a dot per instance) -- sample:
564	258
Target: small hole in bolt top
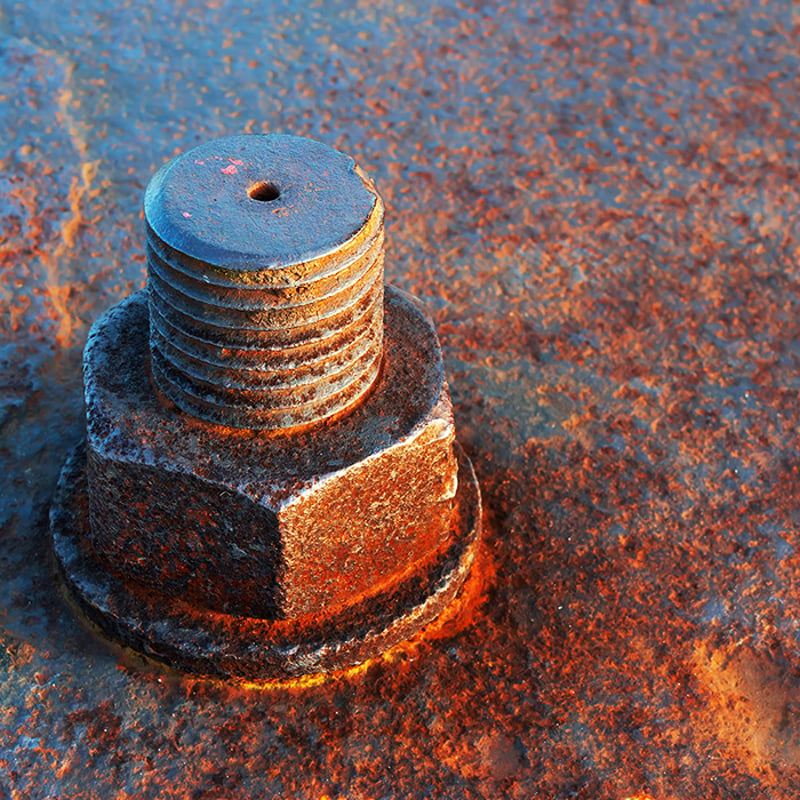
264	191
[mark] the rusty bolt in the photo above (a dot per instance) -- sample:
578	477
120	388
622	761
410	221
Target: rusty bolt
270	483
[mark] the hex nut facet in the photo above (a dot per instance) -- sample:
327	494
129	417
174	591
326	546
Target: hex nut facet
319	540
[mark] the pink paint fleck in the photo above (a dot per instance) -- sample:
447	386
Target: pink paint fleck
186	214
199	162
231	170
236	161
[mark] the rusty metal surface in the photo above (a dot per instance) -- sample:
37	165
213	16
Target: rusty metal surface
598	202
243	553
263	642
265	281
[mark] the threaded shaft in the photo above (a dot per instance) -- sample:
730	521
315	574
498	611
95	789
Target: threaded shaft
276	319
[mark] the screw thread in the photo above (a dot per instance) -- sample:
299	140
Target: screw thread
271	348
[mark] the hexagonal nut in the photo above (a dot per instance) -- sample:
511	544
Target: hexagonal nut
269	526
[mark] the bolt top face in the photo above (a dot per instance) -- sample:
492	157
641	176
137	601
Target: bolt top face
258	202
